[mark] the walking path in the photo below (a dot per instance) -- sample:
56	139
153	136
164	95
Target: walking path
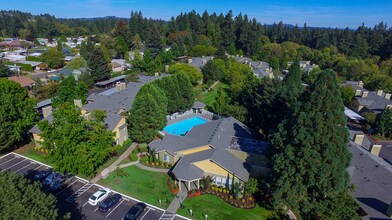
177	201
159	170
113	166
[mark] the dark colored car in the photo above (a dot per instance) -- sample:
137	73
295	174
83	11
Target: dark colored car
42	174
135	211
61	181
51	178
109	202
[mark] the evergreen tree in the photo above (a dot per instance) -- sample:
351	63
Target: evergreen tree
171	88
220	102
210	72
17	114
384	123
309	165
187	96
100	69
148	114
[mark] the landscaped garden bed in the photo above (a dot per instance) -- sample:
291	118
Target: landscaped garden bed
246	202
172	185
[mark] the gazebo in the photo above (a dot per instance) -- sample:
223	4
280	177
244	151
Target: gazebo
198	106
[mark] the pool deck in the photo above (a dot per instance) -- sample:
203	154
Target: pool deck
184	117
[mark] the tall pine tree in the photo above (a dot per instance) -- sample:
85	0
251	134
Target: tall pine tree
309	166
100	69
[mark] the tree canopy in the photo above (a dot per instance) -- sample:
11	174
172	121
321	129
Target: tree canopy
17	114
70	90
306	141
100	68
21	199
53	58
75	144
192	72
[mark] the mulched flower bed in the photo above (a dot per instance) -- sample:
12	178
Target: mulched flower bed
247	202
172	186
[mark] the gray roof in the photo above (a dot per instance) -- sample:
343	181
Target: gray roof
185	170
372	177
115	101
111	121
32	63
259	68
198	61
198	105
44	103
66	71
112	80
373	101
219	134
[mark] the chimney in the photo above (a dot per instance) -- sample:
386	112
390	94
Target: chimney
360	84
166	68
358	92
78	103
120	86
380	92
358	138
388	96
189	60
47	111
365	94
246	61
389	210
375	149
156	74
204	61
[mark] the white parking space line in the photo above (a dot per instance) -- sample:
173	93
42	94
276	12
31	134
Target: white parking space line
150	208
8	160
144	214
34	169
23	167
5	155
95	209
66	188
14	165
115	208
85	204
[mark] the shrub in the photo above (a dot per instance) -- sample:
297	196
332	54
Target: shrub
25	67
157	163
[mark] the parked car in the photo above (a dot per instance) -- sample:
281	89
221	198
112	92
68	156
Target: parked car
99	196
49	179
40	175
109	202
60	181
135	211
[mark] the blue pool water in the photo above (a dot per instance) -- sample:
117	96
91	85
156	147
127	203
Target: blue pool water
182	127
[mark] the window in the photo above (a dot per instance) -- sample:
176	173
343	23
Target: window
166	158
218	180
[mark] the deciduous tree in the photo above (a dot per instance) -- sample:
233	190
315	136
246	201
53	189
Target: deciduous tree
17	114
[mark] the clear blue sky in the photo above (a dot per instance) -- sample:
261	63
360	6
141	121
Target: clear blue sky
323	13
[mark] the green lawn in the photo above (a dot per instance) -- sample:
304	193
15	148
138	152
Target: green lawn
28	151
216	208
208	98
141	184
378	137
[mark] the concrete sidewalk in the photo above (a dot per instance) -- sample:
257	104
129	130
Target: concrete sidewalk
177	201
114	165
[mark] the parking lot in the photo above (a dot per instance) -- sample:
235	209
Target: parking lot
74	196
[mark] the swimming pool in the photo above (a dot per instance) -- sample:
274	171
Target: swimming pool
182	127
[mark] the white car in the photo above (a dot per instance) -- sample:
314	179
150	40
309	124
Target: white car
99	196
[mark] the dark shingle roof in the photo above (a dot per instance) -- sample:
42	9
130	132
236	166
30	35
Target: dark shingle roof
44	103
112	80
114	102
372	177
185	170
373	101
218	134
198	105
